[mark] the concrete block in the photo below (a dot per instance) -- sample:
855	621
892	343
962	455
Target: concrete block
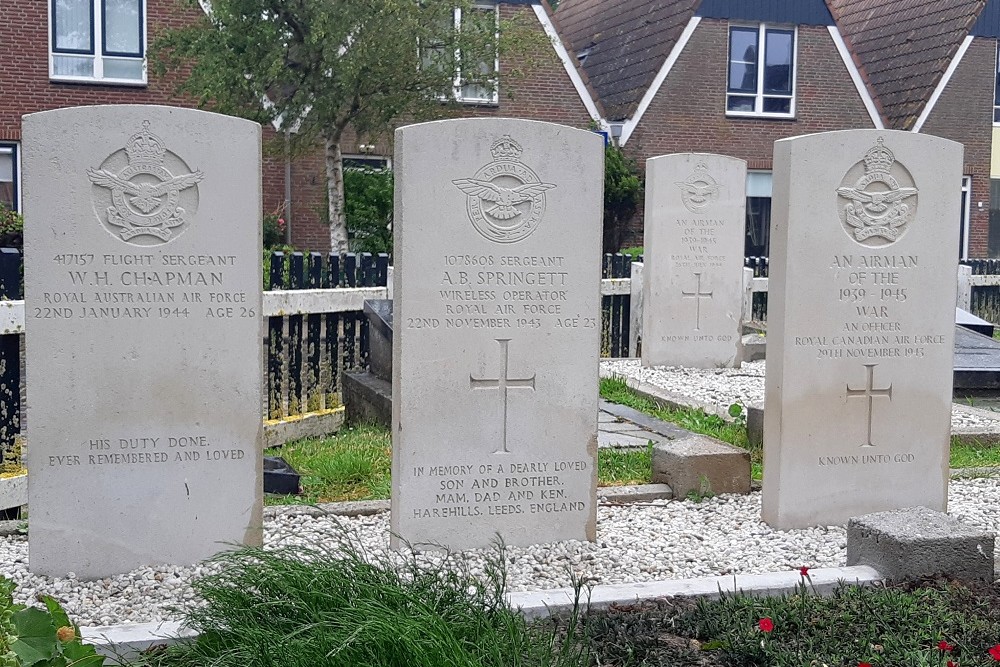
701	464
917	542
754	347
367	399
755	424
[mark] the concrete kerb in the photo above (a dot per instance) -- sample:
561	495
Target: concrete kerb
127	641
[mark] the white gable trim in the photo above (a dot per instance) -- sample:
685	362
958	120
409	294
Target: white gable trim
942	84
661	76
570	66
859	83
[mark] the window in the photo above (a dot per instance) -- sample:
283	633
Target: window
486	16
8	176
996	90
365	162
758	214
761	80
98	40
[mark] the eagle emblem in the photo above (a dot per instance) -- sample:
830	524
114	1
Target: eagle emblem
877	207
146	196
699	190
505	199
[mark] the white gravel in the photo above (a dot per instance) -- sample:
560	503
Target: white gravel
659	540
724	386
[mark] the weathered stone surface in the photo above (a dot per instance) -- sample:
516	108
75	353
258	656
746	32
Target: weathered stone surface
367	399
693	273
144	354
917	542
495	359
755	424
379	314
701	465
860	329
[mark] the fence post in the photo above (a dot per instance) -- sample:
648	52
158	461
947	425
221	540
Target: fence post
635	314
388	282
747	314
965	287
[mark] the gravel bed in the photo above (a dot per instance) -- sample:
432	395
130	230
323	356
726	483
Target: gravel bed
725	386
643	542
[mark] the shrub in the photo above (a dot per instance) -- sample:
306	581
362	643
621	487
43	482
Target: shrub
368	207
11	228
622	191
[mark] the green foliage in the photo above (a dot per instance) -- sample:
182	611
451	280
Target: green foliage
635	252
274	231
368	195
344	607
11	228
622	193
617	467
34	637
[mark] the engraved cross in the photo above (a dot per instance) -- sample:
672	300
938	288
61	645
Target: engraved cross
697	295
503	382
870	392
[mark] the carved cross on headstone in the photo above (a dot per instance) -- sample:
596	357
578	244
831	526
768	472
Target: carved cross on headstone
870	392
697	295
503	383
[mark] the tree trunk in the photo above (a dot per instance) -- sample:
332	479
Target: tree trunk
335	193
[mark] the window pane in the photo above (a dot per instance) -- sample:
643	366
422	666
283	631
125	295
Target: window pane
994	237
742	60
778	62
479	21
7	177
996	88
739	103
777	105
758	221
72	30
996	115
73	65
123	33
120	68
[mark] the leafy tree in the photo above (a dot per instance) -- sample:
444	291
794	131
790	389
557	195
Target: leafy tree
622	193
369	196
320	66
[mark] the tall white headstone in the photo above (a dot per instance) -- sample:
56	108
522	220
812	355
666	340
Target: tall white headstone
693	254
861	325
143	332
497	338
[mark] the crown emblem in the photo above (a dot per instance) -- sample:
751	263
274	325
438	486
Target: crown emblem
879	159
145	147
506	149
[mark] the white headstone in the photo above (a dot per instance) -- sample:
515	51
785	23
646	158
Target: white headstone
144	336
860	326
496	343
693	252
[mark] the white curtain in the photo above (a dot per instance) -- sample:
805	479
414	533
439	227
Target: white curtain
121	23
73	30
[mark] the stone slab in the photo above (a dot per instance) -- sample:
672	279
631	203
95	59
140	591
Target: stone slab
379	314
144	343
917	542
692	284
317	424
634	440
648	423
367	399
702	465
495	362
860	325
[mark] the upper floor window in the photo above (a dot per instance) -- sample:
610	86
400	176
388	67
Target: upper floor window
996	90
98	40
481	88
761	71
8	176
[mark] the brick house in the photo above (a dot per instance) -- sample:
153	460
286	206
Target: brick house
733	76
83	52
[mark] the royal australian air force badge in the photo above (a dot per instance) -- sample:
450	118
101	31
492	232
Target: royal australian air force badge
505	199
878	198
145	194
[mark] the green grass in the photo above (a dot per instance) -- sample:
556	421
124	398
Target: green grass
345	607
965	455
356	464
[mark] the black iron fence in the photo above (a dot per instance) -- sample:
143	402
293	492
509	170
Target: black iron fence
985	299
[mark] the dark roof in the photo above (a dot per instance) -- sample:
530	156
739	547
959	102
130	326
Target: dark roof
797	12
904	47
625	43
988	24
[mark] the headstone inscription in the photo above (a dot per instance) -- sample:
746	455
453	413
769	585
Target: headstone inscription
861	310
495	353
693	249
144	336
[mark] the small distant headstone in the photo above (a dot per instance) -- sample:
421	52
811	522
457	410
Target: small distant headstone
144	336
496	343
861	325
693	249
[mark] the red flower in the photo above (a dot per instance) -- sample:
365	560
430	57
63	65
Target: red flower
945	646
766	625
804	571
995	652
951	664
864	664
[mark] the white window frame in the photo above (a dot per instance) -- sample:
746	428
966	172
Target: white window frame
965	225
759	96
996	71
97	53
494	98
12	148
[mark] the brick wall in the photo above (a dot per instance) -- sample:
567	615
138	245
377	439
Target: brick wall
689	112
964	113
545	93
